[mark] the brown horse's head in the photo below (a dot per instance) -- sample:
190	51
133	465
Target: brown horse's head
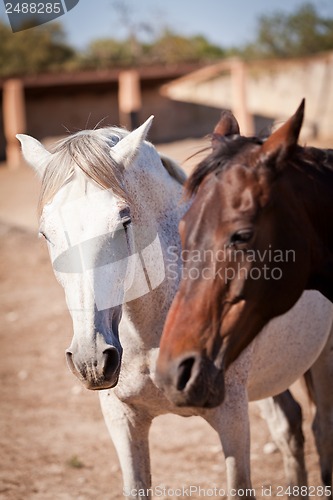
245	259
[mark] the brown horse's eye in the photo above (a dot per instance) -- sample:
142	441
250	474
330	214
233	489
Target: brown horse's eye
240	237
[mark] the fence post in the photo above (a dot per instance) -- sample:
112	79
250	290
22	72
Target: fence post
13	119
129	98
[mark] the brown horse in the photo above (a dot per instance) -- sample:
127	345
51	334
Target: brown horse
258	233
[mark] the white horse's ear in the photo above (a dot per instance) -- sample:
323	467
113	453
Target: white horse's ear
34	153
125	151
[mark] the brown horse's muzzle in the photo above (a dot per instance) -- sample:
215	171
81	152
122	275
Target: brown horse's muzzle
190	380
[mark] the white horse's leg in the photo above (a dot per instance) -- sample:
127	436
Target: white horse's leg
231	421
129	429
321	374
284	419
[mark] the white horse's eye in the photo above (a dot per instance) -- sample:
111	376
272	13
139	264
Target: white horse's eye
125	217
114	139
126	221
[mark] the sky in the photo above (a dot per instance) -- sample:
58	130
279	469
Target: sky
226	23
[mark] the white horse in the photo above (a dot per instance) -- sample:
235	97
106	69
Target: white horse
110	208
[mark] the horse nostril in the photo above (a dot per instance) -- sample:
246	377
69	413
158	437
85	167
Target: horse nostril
70	362
111	362
184	373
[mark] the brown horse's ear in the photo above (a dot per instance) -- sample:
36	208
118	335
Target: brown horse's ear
227	125
281	143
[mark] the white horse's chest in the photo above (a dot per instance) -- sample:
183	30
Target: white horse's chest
289	345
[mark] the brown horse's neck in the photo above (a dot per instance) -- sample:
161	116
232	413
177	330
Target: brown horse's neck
313	178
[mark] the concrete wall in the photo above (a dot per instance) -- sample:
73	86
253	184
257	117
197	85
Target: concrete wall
274	90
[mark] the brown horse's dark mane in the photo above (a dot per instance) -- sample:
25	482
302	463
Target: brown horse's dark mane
218	160
309	160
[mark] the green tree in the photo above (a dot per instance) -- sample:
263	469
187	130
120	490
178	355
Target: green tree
33	51
302	33
106	53
172	48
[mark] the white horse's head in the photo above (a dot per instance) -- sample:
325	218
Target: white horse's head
99	256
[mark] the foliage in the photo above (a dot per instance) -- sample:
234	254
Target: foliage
300	34
169	48
42	50
33	50
172	48
106	53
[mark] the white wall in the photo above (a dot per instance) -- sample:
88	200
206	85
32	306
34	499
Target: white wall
274	89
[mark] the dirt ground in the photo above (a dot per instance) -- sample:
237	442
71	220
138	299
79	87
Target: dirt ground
53	441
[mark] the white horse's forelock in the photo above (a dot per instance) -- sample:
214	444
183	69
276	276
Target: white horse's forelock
89	150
